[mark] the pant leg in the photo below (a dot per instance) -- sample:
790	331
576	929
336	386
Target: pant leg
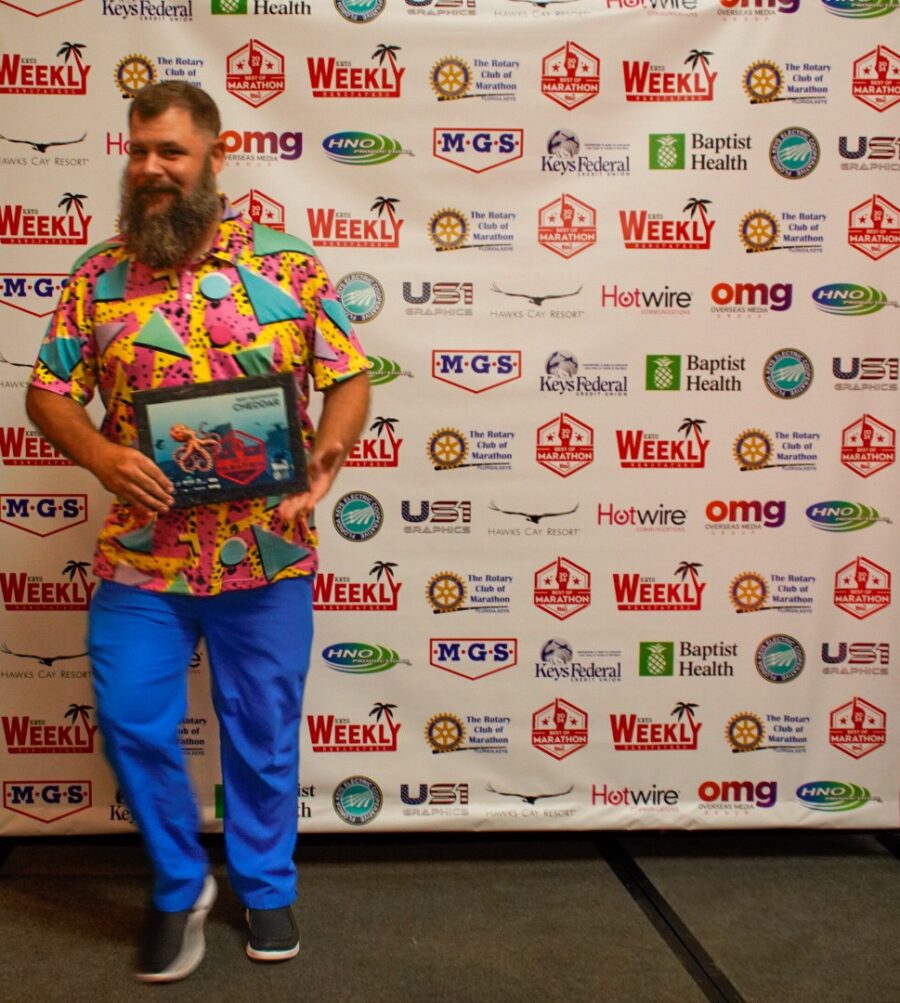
258	643
140	647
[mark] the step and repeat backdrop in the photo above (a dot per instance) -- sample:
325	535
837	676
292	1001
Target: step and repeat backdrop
617	547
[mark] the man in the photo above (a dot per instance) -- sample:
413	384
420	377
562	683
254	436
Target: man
190	292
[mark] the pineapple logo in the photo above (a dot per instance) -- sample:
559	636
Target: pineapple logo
228	6
667	151
657	658
663	372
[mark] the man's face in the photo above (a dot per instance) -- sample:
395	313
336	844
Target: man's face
169	197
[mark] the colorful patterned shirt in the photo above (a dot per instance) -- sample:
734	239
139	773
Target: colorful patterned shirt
258	302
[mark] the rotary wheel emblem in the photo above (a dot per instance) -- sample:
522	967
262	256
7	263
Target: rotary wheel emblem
447	448
448	229
445	733
752	449
748	592
744	732
450	78
446	592
133	74
763	81
758	230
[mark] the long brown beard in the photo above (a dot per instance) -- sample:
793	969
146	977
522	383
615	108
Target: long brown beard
164	238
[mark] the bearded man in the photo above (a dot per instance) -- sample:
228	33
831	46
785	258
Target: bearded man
189	293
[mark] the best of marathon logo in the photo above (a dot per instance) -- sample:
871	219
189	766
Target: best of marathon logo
255	73
333	228
473	657
567	226
562	588
874	227
631	733
26	735
868	445
261	208
640	593
25	225
647	450
645	81
862	588
25	75
47	801
333	592
645	231
876	78
857	728
559	729
328	733
339	78
43	515
23	592
570	76
565	445
379	450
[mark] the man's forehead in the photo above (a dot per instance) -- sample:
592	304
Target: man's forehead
174	121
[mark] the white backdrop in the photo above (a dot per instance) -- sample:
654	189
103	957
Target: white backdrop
619	543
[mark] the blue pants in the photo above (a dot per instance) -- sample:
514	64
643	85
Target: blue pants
258	642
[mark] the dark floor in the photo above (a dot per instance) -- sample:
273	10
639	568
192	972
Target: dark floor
682	917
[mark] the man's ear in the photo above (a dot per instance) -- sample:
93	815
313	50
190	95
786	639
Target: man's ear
217	155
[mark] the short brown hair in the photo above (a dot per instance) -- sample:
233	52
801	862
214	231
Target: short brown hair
153	100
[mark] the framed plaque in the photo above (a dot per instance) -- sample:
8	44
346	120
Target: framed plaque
225	439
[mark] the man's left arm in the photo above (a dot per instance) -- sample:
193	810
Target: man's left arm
344	411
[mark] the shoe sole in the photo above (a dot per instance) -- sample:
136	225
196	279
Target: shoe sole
194	941
256	954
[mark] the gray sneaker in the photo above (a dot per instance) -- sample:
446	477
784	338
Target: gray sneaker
273	934
174	944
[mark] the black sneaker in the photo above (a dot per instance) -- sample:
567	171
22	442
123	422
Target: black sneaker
174	944
273	934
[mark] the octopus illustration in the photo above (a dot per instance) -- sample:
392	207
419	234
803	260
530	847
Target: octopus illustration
198	450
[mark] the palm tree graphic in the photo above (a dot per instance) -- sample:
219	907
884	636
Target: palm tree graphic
77	567
79	710
692	425
695	204
386	50
380	568
381	424
689	568
385	709
71	49
70	199
680	709
384	202
699	56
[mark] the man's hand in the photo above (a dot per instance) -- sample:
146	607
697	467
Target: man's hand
321	468
132	476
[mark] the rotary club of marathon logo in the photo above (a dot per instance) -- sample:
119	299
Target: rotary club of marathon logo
874	227
857	728
766	82
255	73
570	76
862	588
756	449
562	588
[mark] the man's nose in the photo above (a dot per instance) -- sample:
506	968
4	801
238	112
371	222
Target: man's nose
153	165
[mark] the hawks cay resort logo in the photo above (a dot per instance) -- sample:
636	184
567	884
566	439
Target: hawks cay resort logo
868	446
637	593
473	657
445	515
536	309
483	449
640	449
21	224
451	592
562	588
869	153
26	75
23	591
570	75
255	73
657	658
876	78
489	79
856	658
533	519
646	81
757	449
566	154
873	372
761	230
564	374
862	587
43	515
330	77
379	450
668	152
874	227
476	370
46	663
646	231
752	592
565	445
849	299
26	735
378	593
768	82
451	229
635	733
559	661
23	447
39	148
328	733
340	228
359	658
701	373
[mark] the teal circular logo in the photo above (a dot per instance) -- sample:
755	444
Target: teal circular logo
794	152
357	800
359	11
358	516
788	373
361	295
780	658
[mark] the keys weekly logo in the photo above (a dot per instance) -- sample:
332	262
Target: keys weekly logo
380	450
21	224
338	734
333	78
333	228
25	592
331	592
640	593
645	231
25	75
25	735
631	733
646	81
638	448
23	447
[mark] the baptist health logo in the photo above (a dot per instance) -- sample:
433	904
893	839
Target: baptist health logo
663	372
656	658
259	7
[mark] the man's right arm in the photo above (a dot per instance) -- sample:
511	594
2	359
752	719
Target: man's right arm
125	472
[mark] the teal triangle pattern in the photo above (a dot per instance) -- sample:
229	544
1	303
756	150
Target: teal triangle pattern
270	302
61	356
255	361
111	285
104	245
158	335
179	587
269	241
276	554
139	540
336	313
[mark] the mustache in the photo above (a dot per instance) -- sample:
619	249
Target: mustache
155	189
